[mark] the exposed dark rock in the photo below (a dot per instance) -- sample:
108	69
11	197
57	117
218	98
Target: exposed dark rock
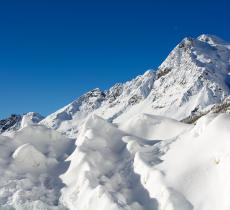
13	122
163	72
134	99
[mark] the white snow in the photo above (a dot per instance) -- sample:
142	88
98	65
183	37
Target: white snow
21	121
101	175
30	118
130	151
197	164
30	164
153	127
111	169
27	158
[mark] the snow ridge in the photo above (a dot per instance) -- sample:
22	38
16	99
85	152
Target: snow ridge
117	183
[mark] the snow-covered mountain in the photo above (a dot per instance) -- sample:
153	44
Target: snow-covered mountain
10	123
159	141
110	104
16	122
194	77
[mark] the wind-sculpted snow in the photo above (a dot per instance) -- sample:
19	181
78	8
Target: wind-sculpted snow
146	163
104	172
153	127
30	164
197	163
112	169
193	78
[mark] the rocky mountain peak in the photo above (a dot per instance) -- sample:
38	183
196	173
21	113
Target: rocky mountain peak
194	76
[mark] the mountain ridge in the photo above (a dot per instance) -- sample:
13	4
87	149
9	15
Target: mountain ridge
192	77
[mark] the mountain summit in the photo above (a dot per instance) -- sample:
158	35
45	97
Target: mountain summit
193	78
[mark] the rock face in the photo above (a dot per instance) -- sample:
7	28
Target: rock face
193	78
11	123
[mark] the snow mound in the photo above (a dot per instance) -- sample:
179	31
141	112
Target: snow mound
30	118
30	164
104	172
28	158
112	169
197	163
153	127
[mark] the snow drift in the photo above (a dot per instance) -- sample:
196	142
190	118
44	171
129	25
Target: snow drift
30	164
112	169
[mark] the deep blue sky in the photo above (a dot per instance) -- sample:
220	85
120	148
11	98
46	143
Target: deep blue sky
53	51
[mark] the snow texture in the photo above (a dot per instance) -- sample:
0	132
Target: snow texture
112	169
30	164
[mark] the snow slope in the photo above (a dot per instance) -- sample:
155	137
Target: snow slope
196	164
152	127
112	169
193	78
99	183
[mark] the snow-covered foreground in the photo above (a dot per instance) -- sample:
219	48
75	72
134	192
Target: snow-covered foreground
145	163
30	164
112	169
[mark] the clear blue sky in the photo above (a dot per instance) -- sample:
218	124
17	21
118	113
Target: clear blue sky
53	51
